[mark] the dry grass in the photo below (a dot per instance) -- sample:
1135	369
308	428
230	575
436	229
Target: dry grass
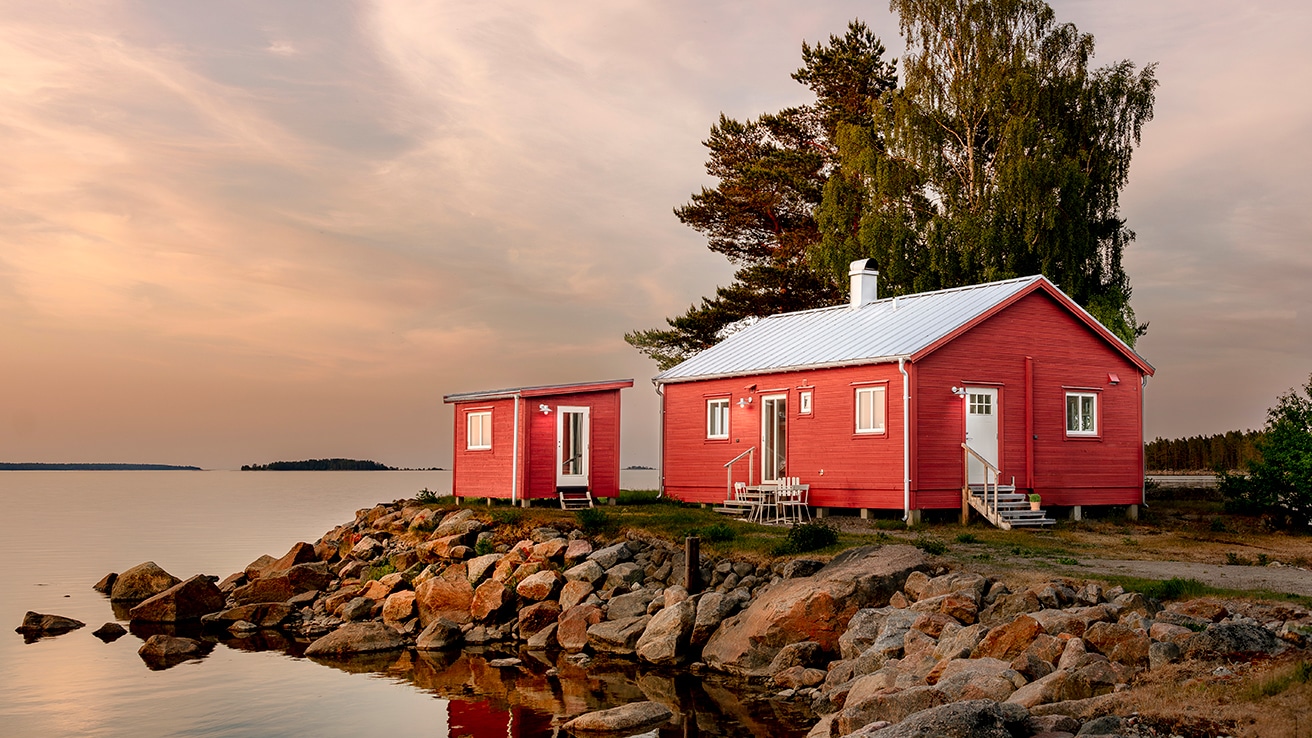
1260	699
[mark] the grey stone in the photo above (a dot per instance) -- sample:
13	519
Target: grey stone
1161	653
610	555
589	571
665	639
623	575
969	719
634	716
631	605
367	637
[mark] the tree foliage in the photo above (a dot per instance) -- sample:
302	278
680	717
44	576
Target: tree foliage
1002	154
1280	484
771	175
1222	452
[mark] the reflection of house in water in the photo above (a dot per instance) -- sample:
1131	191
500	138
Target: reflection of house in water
487	720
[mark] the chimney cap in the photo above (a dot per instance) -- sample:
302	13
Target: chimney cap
863	265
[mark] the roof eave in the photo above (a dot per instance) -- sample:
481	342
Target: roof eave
783	369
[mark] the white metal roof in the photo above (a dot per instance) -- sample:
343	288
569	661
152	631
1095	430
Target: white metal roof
879	331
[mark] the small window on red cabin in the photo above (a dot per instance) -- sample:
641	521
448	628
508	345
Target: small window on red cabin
717	418
1081	414
870	409
804	402
478	431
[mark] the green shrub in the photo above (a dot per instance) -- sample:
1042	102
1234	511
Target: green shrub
592	520
889	524
640	497
1280	483
1068	561
377	572
1217	525
484	546
1300	673
427	496
931	546
506	515
1176	588
1234	559
714	533
805	537
967	538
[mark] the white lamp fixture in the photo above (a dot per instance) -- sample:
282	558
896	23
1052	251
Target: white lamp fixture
546	409
959	391
744	402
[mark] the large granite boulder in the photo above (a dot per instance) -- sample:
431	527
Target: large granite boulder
970	719
491	598
141	582
366	637
1008	641
537	616
572	628
1226	640
1118	642
187	600
539	586
617	636
284	585
260	614
447	595
626	719
164	651
816	608
301	553
36	625
665	641
440	634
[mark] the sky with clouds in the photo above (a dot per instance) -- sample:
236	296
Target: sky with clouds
245	231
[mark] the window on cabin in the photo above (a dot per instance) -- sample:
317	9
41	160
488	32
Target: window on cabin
870	409
804	403
717	418
1081	414
478	431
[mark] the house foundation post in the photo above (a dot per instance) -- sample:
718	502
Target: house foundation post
1132	512
913	517
523	502
965	506
612	501
1077	513
865	513
821	512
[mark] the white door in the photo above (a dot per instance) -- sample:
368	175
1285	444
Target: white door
572	446
981	430
774	437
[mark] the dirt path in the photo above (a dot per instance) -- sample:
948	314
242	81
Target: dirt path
1287	579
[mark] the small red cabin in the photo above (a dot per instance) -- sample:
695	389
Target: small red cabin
549	442
914	402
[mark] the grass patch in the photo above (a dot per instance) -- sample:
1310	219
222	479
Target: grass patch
642	497
967	538
506	515
1068	561
805	537
1282	680
1234	559
592	520
377	572
715	533
931	546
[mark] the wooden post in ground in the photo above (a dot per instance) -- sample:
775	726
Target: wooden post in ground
965	506
692	565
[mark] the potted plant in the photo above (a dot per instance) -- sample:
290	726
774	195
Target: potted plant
1035	500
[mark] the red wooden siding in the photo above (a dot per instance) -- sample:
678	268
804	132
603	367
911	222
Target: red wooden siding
487	473
859	470
484	473
1067	471
604	448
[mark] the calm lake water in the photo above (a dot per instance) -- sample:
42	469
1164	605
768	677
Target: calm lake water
63	531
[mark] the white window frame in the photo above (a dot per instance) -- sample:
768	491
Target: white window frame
1092	414
482	440
717	414
804	402
879	399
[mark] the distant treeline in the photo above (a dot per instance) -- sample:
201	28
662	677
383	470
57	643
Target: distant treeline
1227	452
34	466
319	465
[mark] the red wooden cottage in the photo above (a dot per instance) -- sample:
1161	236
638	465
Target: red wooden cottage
910	402
559	442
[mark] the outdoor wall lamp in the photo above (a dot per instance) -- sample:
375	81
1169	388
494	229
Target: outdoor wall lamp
959	391
744	402
546	409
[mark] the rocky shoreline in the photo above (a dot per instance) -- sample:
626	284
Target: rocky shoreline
881	640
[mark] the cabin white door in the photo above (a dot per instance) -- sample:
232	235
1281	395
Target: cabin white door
774	438
981	431
572	446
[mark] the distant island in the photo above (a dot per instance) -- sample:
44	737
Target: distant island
34	466
639	467
319	465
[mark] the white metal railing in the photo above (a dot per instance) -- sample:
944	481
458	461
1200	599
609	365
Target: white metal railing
989	471
751	464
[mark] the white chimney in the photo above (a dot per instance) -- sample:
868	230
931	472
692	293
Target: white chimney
865	282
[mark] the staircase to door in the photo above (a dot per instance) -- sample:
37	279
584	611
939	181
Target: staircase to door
999	503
